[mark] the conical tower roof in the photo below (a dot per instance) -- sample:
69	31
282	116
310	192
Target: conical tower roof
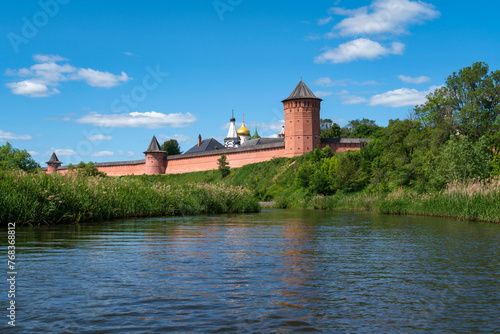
154	146
256	134
302	92
53	159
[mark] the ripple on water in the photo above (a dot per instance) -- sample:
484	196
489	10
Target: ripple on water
278	271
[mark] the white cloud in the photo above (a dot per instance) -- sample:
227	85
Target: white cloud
178	137
33	153
10	136
384	16
129	54
417	80
48	58
41	79
319	93
402	97
102	154
268	128
63	152
31	89
98	137
127	154
327	82
312	37
353	99
101	79
150	120
324	21
361	48
330	35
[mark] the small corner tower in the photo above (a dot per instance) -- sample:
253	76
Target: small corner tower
53	164
155	158
232	139
302	121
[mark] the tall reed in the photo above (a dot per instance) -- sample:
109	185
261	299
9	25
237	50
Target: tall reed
48	199
476	200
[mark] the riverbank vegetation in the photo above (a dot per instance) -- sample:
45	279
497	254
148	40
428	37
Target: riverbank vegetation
37	198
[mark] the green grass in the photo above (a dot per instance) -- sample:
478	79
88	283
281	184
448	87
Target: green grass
473	200
50	199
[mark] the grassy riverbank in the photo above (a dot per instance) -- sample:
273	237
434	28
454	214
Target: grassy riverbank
280	180
474	200
48	199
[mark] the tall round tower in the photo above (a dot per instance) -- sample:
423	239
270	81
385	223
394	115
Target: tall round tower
53	164
155	158
302	121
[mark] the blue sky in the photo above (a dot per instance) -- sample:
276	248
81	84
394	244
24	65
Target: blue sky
95	80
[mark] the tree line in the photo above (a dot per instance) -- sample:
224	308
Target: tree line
454	135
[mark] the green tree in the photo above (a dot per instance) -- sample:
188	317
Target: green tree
495	164
364	128
325	123
462	159
224	168
171	147
88	169
469	103
13	158
349	174
331	132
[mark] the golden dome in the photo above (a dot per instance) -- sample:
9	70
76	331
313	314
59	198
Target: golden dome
243	131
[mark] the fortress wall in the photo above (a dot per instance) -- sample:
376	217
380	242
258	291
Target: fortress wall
115	169
235	159
121	170
342	147
208	161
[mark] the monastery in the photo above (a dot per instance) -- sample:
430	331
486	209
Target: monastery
300	135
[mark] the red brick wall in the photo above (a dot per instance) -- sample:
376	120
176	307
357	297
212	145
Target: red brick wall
209	162
341	147
196	164
124	170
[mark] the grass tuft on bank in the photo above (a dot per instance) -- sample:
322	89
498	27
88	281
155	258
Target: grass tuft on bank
475	200
29	198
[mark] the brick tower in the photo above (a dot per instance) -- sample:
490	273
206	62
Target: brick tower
53	164
155	158
302	123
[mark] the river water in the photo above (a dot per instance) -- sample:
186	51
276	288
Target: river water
277	271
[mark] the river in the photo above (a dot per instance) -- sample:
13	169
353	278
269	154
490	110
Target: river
276	271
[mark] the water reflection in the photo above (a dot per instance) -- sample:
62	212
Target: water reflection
278	271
